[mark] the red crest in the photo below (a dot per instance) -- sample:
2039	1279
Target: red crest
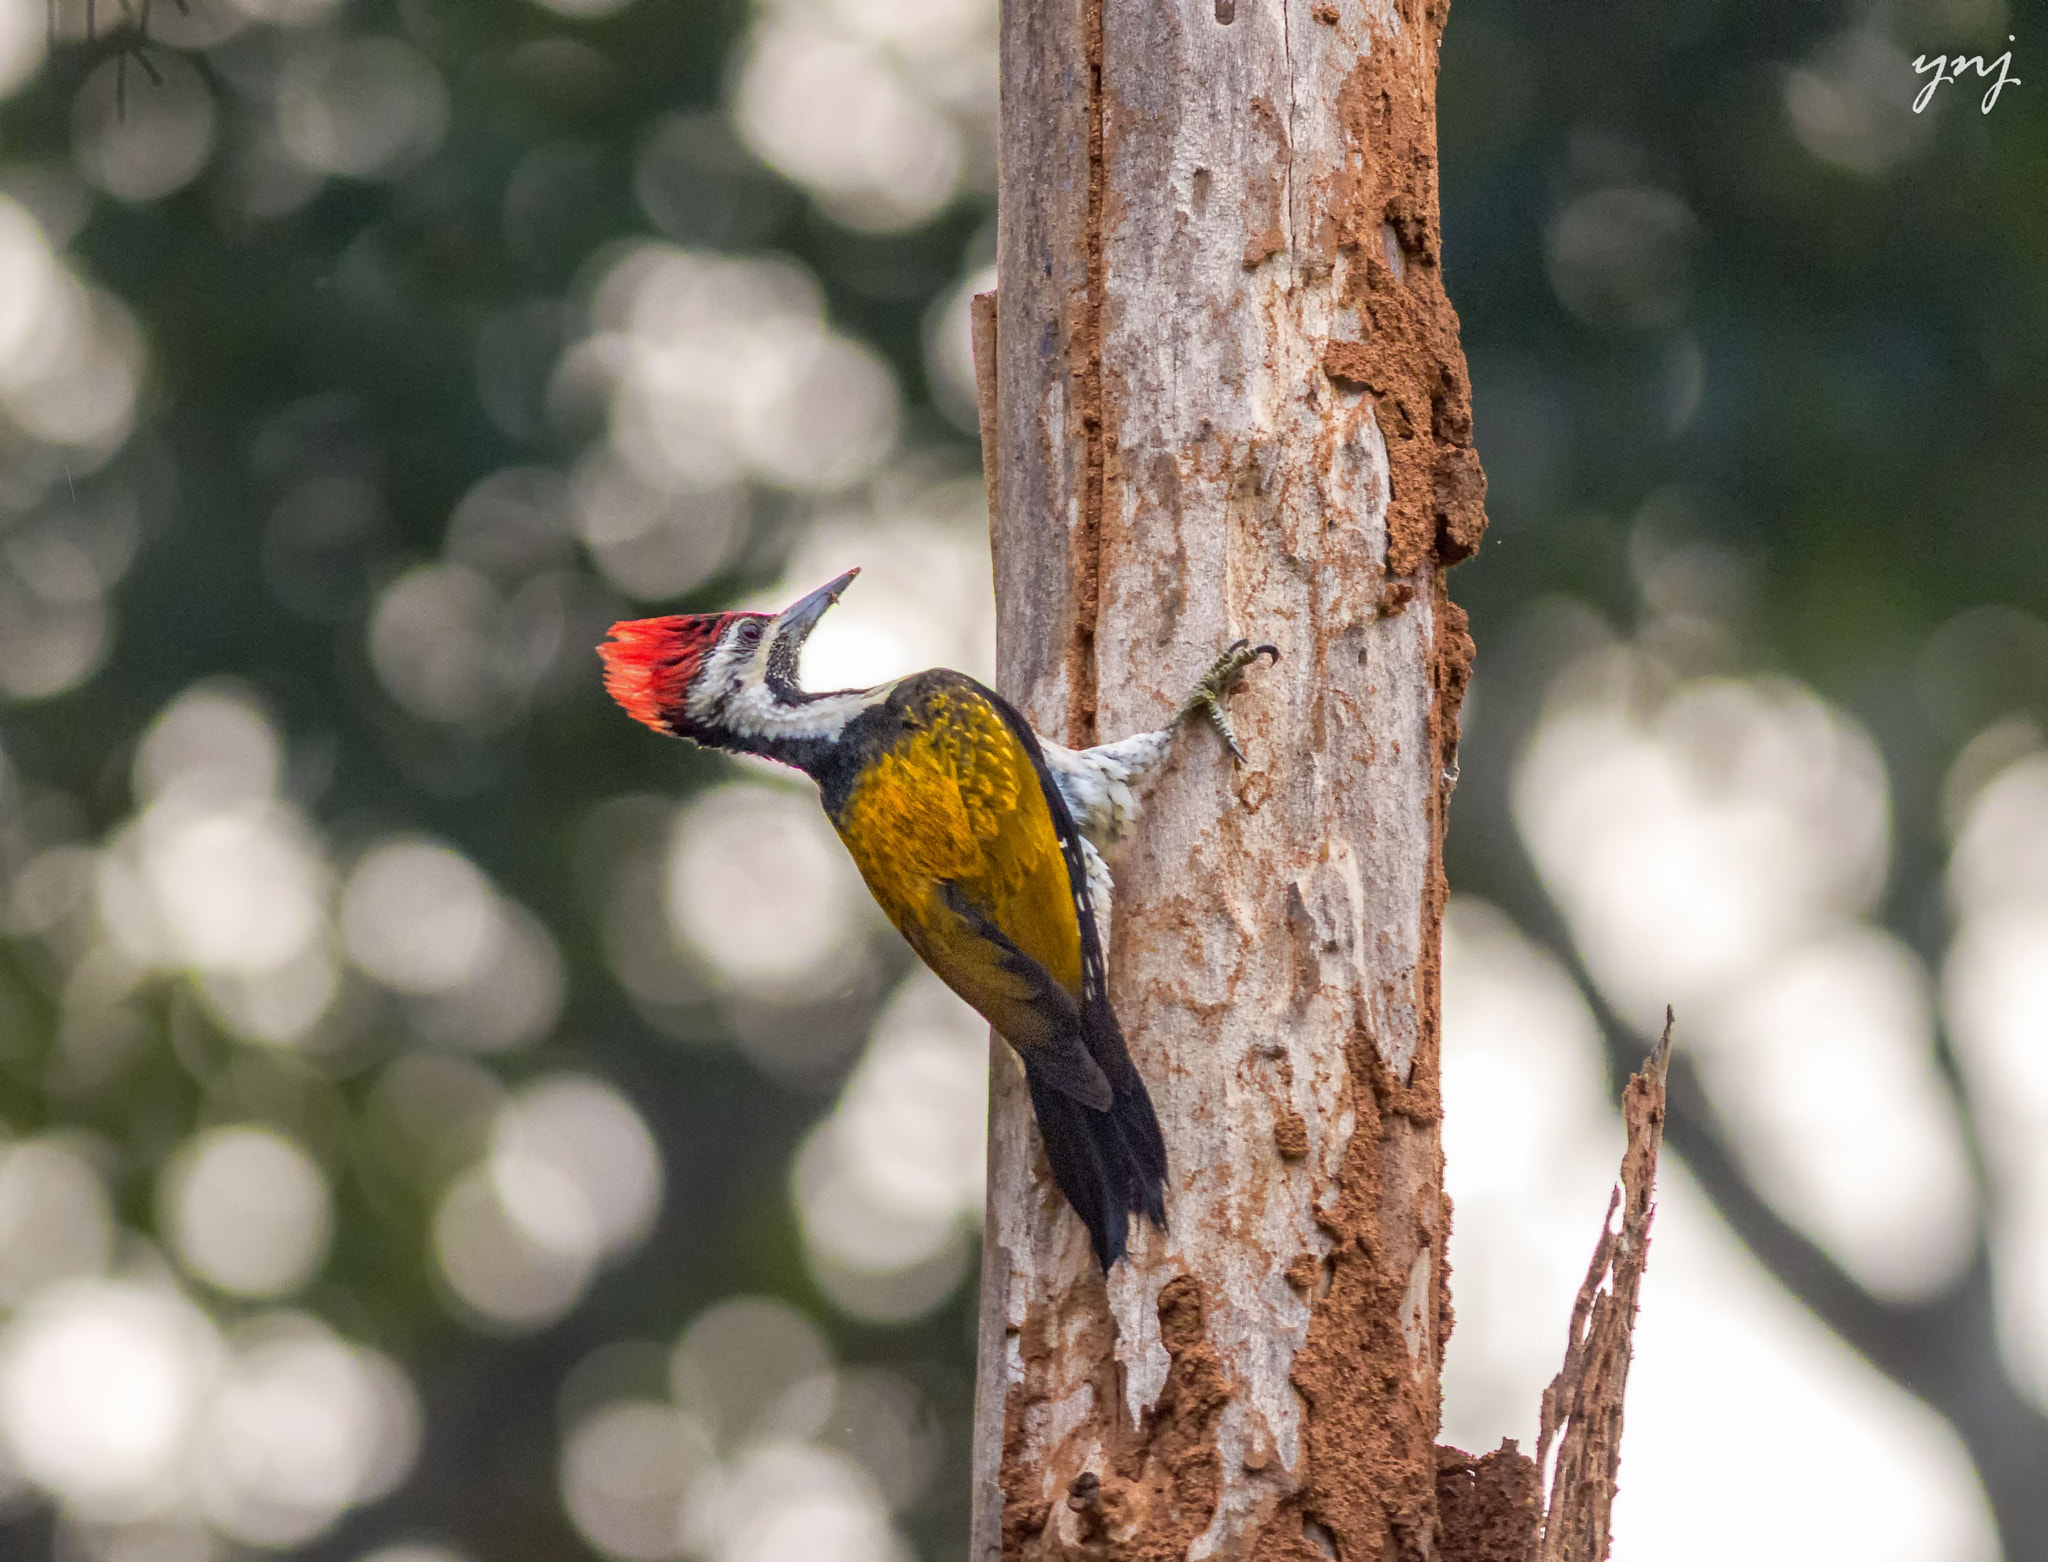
649	663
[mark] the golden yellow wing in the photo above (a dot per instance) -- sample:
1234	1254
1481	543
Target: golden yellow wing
942	797
945	814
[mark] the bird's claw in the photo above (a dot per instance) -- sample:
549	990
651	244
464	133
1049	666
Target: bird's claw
1218	684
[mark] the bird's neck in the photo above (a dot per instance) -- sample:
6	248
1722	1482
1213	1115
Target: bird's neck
789	725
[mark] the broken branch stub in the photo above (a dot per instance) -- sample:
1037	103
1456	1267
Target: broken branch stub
1582	1408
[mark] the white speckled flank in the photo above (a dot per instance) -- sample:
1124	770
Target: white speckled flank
1100	787
1098	783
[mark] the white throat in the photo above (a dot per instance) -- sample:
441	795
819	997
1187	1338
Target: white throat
733	693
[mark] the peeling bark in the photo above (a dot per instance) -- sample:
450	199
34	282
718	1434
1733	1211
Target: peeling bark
1228	400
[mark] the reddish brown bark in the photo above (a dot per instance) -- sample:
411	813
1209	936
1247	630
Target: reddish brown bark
1228	400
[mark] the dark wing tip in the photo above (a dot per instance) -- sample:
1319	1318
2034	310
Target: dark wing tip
1110	1165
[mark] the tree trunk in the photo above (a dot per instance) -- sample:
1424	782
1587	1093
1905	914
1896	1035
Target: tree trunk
1230	401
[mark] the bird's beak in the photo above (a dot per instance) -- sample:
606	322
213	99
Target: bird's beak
794	623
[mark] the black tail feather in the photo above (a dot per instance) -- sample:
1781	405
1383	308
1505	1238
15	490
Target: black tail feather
1111	1164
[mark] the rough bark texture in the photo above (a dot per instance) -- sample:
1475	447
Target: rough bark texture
1229	400
1488	1509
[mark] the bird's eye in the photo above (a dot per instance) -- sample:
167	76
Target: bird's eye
750	631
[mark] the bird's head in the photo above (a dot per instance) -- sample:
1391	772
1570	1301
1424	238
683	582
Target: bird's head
724	679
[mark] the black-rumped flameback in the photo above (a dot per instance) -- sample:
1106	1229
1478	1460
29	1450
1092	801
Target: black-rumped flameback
980	840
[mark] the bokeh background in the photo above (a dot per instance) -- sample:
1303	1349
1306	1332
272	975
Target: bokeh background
444	1124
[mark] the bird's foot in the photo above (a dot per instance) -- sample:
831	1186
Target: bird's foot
1217	685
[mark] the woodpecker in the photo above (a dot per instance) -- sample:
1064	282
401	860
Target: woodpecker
982	841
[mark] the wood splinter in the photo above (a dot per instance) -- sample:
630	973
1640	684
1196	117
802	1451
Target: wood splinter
1582	1406
1491	1509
